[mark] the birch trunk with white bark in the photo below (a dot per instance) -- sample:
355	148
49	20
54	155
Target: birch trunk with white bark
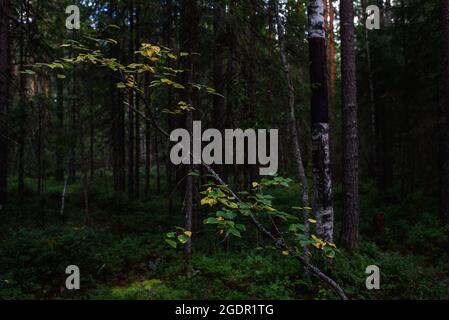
322	181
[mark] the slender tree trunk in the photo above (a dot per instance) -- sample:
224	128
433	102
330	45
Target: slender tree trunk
91	143
220	52
147	139
350	225
189	43
156	155
131	135
74	128
137	119
374	152
118	120
445	144
292	121
131	145
121	143
22	111
39	147
137	155
59	173
331	50
407	144
147	158
5	73
323	207
84	169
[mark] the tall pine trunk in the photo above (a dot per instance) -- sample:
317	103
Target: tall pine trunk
137	118
22	110
59	171
374	152
5	71
189	43
117	117
219	72
445	144
131	136
350	225
322	181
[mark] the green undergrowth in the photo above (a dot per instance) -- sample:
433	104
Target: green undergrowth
120	250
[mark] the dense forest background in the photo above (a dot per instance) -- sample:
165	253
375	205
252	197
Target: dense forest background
86	178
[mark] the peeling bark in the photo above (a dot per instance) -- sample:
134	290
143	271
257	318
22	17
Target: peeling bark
322	181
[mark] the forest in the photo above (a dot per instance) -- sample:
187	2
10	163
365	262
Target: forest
224	149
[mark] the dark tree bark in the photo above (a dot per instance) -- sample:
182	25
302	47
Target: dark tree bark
147	158
445	144
5	72
91	142
331	50
219	71
350	225
59	172
147	139
137	119
40	107
22	110
158	165
373	152
322	181
407	167
117	120
189	43
75	114
131	136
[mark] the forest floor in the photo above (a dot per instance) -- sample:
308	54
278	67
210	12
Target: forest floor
122	254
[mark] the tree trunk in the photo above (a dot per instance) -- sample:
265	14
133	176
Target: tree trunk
118	121
91	142
131	149
331	51
74	128
5	69
373	153
292	120
59	172
350	224
445	144
189	43
158	165
219	71
147	138
137	118
322	181
40	106
22	112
